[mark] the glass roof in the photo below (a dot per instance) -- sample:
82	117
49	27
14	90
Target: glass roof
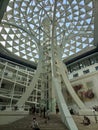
26	21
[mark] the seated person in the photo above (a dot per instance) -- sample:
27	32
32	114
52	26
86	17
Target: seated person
34	125
86	120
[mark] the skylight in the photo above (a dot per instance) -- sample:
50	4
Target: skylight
26	25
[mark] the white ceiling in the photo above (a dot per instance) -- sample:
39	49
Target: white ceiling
26	21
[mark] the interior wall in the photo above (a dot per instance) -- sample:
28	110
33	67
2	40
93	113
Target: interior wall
87	82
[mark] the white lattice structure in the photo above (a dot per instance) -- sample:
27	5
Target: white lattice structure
22	29
49	31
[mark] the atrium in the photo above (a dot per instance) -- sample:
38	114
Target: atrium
49	57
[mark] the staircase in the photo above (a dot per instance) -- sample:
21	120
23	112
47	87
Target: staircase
78	120
25	123
54	123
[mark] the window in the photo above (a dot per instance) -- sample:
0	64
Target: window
86	71
5	73
75	75
96	67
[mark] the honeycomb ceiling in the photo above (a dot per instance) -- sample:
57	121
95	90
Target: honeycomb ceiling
24	24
